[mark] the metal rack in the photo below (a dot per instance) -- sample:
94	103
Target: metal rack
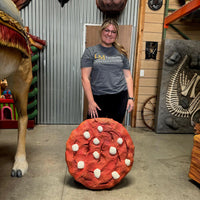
177	14
184	10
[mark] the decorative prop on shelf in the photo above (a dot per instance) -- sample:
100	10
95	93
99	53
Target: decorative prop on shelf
99	153
151	50
111	6
181	2
178	106
155	4
63	2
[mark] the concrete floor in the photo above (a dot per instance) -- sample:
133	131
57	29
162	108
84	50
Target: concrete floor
160	170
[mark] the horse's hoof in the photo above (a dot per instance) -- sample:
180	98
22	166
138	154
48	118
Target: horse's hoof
13	174
19	173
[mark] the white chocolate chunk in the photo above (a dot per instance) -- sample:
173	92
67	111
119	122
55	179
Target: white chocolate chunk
113	150
119	140
86	135
80	164
75	147
100	129
96	155
96	141
97	173
115	175
127	162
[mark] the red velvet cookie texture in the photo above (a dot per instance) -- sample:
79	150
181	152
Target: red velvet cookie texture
99	153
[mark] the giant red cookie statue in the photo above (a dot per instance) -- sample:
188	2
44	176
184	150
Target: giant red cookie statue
99	153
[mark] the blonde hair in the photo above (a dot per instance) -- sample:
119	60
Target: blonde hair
118	46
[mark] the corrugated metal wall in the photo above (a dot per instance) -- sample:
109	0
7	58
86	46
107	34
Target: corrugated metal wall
60	97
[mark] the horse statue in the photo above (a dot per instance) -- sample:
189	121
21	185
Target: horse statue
16	67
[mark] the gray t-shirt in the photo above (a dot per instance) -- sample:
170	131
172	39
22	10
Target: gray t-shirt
107	64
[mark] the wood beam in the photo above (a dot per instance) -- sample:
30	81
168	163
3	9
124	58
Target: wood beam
138	58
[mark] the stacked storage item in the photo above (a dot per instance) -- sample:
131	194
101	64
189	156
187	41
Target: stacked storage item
194	172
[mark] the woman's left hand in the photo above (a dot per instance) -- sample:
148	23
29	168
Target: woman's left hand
130	105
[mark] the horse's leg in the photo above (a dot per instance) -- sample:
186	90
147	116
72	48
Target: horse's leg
10	60
19	84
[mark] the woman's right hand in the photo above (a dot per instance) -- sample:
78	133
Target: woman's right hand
92	109
92	106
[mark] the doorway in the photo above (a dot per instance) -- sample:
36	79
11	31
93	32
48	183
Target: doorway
92	38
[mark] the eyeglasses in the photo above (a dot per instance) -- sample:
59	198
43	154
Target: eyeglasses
109	31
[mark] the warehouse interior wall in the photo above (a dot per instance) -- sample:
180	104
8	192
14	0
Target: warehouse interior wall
151	28
60	94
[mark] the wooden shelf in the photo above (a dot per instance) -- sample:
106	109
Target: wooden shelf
184	10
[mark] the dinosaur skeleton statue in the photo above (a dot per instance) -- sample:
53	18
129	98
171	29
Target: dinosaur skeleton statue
172	99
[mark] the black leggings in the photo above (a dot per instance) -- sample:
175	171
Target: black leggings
112	105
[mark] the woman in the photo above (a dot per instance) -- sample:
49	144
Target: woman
106	76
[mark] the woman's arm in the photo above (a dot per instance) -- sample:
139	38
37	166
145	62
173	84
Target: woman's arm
85	78
129	82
